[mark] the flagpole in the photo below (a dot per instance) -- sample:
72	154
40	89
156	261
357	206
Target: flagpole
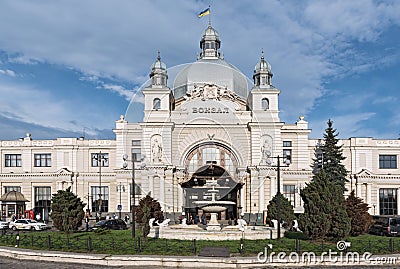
209	15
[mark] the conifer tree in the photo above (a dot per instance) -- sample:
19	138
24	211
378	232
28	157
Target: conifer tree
325	215
286	208
67	211
153	206
357	210
332	157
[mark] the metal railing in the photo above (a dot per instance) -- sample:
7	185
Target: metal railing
93	243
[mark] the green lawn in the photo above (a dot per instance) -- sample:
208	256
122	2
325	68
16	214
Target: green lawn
121	243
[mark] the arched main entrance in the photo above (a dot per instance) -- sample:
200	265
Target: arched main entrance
196	189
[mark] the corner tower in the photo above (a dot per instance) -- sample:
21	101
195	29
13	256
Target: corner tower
263	97
158	96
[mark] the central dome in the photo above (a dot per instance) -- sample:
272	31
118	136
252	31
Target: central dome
210	68
210	71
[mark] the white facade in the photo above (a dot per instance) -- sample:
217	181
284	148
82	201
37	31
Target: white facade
212	124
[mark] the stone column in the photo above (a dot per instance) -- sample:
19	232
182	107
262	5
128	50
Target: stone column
369	194
151	184
261	201
358	190
398	200
162	193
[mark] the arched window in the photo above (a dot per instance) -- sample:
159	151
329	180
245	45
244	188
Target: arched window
156	103
211	153
265	103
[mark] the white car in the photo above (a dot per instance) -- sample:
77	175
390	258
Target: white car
27	224
4	225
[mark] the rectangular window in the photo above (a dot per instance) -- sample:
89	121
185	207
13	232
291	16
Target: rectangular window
388	201
287	154
12	188
136	154
287	144
99	158
136	150
135	143
289	191
388	161
42	202
138	193
99	198
12	160
42	160
138	189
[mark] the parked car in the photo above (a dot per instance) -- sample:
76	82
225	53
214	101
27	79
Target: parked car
112	224
386	225
3	225
27	224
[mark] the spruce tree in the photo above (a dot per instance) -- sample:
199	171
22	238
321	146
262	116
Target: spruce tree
286	208
325	215
67	211
332	157
357	210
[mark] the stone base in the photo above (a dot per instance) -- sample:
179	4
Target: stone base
191	232
213	225
213	228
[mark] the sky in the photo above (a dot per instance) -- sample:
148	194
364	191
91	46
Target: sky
70	68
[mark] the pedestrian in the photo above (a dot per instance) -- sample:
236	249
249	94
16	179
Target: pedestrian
38	217
87	223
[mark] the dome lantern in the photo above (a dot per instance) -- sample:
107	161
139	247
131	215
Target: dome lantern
210	44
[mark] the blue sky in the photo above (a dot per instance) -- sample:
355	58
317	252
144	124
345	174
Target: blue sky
69	68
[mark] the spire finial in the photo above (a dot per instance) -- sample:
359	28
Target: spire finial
158	55
262	54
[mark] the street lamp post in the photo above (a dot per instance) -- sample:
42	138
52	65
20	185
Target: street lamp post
120	189
278	192
125	165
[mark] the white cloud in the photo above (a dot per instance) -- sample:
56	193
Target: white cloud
36	106
361	20
120	90
7	73
349	125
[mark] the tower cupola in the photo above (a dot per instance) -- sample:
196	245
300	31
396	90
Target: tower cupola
158	74
262	73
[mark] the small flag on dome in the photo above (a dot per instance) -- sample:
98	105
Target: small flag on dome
204	12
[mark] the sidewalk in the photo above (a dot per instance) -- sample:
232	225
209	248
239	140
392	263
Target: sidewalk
172	261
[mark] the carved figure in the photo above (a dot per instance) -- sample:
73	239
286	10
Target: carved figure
210	92
242	225
156	151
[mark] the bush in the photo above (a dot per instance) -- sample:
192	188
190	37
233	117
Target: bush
296	235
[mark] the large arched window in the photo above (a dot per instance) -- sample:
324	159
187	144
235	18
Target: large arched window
216	154
156	103
264	104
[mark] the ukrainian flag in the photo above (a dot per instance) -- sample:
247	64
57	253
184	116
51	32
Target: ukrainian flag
204	13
